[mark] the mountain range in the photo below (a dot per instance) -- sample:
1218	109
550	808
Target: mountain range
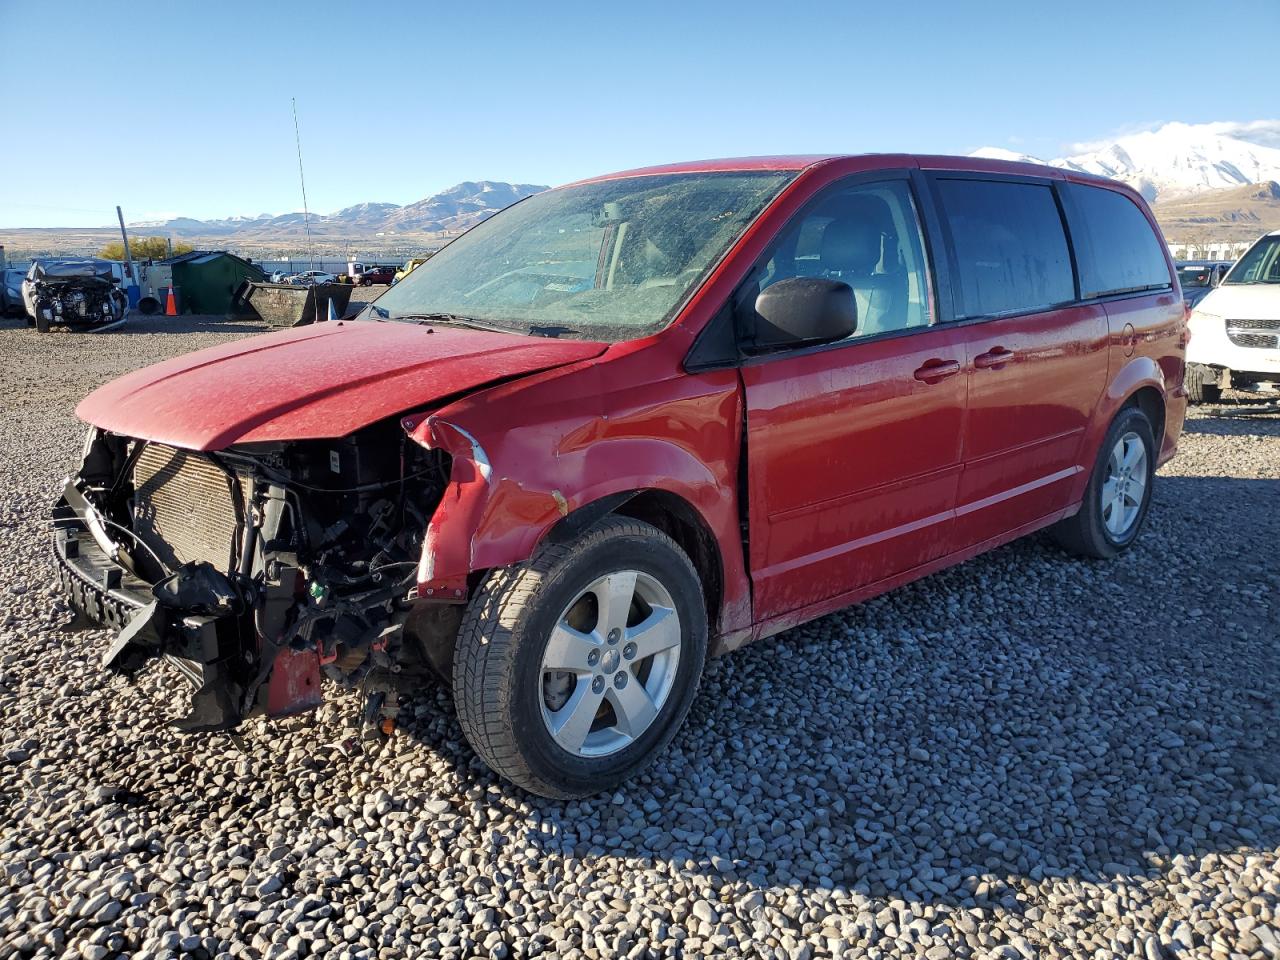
1206	182
449	211
1175	160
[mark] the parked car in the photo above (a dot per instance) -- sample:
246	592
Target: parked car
373	274
1235	328
11	293
1198	277
308	277
408	268
628	423
82	292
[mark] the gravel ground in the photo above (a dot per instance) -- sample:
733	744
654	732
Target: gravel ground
1025	756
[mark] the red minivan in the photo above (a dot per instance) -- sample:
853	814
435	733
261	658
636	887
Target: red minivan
625	424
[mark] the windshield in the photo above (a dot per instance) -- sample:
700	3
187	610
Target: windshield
1194	276
600	261
1260	264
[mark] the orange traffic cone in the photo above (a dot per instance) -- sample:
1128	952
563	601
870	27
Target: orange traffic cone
171	304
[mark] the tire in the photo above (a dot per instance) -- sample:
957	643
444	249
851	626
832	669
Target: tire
41	323
508	699
1094	531
1202	384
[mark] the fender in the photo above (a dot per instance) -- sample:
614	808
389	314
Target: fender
529	453
1137	372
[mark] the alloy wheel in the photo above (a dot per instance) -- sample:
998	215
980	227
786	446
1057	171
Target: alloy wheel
1125	485
610	663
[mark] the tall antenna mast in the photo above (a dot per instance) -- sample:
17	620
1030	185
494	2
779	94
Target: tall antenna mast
306	213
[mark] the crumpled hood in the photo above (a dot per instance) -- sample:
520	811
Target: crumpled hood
323	380
1260	301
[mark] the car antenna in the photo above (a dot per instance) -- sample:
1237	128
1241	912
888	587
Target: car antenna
306	214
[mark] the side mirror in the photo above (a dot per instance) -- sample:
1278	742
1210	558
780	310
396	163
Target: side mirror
802	310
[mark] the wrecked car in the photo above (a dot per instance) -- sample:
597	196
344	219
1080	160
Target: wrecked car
74	292
622	426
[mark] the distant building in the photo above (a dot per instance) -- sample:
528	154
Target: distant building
1209	249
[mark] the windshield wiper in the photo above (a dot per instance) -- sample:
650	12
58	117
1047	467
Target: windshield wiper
452	319
553	330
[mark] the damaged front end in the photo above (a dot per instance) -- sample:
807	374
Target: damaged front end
257	568
76	292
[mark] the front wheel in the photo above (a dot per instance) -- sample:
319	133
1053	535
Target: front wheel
1202	384
574	670
1119	491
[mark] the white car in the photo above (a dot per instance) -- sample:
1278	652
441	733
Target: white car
308	277
1235	330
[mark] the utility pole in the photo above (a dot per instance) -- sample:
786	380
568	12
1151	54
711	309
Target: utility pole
128	258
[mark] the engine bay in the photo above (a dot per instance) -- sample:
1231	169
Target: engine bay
262	565
76	292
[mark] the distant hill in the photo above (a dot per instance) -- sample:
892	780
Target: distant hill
457	208
1236	213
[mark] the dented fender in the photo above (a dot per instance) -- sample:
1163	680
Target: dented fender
446	547
528	454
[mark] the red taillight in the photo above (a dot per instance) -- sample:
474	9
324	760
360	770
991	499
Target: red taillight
1186	323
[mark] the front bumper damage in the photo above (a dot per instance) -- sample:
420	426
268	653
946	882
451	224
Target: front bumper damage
194	619
253	640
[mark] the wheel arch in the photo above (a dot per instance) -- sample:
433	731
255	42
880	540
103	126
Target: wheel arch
673	515
1151	402
1139	383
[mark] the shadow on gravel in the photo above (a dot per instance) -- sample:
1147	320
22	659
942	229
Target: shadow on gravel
1025	715
1260	420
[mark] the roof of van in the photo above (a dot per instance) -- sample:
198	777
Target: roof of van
888	160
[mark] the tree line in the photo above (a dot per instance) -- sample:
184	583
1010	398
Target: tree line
143	248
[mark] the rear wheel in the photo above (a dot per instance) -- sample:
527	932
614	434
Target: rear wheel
1119	491
1202	384
574	670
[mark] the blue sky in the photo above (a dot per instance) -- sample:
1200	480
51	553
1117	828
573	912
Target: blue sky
183	108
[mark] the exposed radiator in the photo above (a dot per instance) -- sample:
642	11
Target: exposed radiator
183	508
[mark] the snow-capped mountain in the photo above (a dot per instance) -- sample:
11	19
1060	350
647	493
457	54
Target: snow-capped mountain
1177	159
460	206
366	214
453	209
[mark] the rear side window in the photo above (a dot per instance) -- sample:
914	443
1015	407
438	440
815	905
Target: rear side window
1117	250
1009	244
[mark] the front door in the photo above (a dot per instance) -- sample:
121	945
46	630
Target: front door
854	448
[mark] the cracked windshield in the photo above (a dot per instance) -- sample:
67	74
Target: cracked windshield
611	260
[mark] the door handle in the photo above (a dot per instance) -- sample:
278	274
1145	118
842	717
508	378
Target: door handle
993	359
935	370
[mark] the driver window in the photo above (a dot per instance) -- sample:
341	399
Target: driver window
867	236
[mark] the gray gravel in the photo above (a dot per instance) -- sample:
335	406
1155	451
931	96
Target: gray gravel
1026	756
